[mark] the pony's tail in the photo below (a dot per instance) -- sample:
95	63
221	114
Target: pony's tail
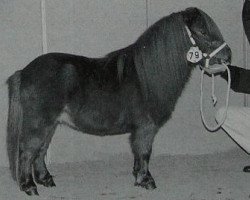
14	127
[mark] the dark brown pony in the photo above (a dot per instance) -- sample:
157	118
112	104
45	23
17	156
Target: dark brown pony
133	90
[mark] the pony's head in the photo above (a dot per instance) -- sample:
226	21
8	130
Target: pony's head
206	35
160	57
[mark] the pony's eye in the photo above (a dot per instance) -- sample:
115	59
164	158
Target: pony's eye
202	32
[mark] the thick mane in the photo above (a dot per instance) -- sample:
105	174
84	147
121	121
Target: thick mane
159	58
161	65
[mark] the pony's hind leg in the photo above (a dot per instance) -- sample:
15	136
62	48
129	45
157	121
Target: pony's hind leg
41	173
141	143
30	143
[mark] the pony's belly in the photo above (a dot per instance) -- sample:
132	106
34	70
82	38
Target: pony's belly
95	121
101	123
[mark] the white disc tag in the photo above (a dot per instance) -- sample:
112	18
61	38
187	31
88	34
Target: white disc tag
194	55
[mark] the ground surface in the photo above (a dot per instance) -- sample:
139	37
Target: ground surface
207	177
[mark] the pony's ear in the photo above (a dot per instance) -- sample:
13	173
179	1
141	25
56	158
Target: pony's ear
190	15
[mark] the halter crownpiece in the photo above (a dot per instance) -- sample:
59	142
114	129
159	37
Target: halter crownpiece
190	36
194	55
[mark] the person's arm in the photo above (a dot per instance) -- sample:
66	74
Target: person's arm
246	18
240	79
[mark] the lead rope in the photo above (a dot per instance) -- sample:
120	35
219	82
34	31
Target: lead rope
195	50
214	98
220	123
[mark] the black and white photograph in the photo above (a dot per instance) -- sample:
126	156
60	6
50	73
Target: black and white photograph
124	99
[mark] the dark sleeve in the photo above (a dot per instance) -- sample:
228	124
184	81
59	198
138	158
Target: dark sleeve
246	18
240	79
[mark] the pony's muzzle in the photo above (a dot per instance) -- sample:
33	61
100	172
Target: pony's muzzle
225	56
222	57
229	58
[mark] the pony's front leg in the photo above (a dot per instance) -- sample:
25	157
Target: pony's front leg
141	143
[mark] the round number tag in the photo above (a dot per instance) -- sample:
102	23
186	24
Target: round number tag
194	55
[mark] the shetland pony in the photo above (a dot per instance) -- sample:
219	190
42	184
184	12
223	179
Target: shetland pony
131	90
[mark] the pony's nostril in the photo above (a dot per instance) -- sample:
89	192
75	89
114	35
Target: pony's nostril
229	55
228	60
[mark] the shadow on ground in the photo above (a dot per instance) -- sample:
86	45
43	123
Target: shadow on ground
207	177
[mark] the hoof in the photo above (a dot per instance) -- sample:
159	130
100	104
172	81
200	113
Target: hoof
147	185
246	169
30	190
146	182
47	181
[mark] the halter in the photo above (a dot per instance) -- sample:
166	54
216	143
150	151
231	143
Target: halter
211	71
